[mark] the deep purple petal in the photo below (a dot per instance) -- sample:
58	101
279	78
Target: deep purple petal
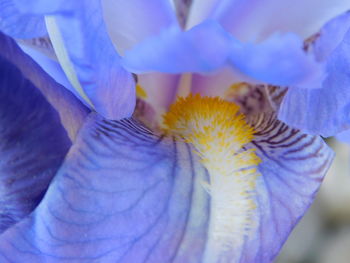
33	144
72	113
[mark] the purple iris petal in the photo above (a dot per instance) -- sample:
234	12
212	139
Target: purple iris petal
325	110
33	144
18	25
124	194
204	48
278	60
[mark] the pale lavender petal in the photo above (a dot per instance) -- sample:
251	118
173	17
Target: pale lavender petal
129	22
253	20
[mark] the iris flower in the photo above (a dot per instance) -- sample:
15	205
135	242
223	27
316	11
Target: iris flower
202	170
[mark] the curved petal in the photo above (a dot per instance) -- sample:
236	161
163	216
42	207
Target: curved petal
204	48
72	113
278	60
323	111
104	207
130	22
81	42
330	36
293	166
33	143
18	25
252	20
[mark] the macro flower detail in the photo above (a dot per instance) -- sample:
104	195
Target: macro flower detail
160	139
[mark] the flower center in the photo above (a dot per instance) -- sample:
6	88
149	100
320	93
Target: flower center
219	135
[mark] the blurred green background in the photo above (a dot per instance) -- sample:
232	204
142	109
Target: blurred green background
323	235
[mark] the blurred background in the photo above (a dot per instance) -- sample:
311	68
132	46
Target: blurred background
323	235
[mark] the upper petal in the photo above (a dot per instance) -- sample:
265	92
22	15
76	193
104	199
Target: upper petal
130	22
204	48
278	60
253	19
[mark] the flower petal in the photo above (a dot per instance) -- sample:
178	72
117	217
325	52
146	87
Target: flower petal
72	113
103	206
293	165
325	110
18	25
130	22
202	49
252	20
278	60
33	143
87	55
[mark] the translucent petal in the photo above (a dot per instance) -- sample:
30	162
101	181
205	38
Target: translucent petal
130	22
252	20
202	49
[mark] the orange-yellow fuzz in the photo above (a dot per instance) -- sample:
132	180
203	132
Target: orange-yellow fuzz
218	133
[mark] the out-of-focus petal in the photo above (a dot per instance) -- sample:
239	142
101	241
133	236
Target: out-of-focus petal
292	169
278	60
130	22
254	19
330	36
344	136
33	143
204	48
123	194
87	55
326	110
72	113
18	25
